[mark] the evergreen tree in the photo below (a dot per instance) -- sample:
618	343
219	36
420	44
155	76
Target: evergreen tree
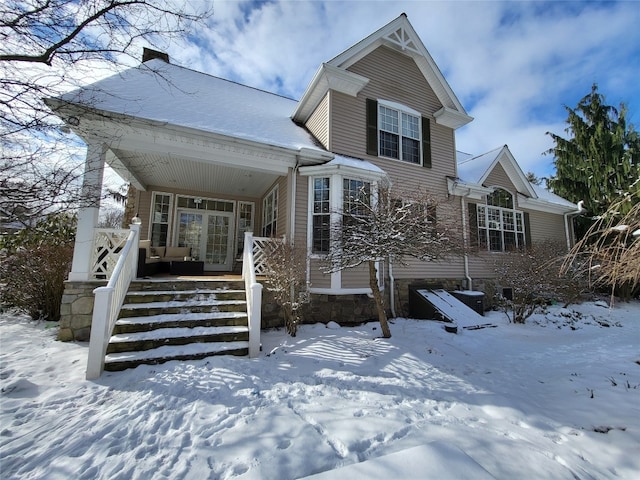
600	162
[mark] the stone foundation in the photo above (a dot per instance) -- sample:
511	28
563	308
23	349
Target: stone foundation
76	310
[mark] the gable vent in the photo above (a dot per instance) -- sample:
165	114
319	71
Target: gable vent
150	54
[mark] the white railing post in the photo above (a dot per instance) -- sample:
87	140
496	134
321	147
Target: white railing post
99	334
135	227
108	301
255	320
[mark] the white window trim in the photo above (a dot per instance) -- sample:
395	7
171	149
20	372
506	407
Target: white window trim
274	192
501	229
240	235
400	108
170	215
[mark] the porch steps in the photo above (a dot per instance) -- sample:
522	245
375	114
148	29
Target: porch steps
179	320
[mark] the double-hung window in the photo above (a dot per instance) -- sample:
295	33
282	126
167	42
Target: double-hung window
500	226
399	135
321	215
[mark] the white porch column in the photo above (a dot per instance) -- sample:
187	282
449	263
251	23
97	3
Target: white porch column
88	211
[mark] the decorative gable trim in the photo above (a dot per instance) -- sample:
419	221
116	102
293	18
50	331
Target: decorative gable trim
327	78
513	171
400	36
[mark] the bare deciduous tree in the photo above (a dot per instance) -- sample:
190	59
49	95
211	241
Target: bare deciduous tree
48	47
392	226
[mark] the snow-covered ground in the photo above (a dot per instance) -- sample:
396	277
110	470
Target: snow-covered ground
556	398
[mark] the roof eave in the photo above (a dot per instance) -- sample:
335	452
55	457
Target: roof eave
327	78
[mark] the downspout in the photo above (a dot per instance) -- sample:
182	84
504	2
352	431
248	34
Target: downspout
566	222
465	242
392	286
294	194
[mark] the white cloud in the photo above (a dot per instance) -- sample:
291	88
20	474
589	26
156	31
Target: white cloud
512	64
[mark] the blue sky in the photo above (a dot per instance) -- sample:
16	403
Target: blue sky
513	65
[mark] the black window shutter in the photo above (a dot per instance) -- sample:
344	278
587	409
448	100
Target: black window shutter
372	127
426	142
527	230
473	224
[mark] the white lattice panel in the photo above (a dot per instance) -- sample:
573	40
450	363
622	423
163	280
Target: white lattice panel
261	248
107	244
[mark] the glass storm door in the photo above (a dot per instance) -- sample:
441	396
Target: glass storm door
208	235
218	247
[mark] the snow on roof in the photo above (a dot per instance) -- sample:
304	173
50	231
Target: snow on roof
545	195
162	92
472	169
356	163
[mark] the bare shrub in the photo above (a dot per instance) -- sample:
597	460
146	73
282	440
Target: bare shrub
533	275
34	264
287	279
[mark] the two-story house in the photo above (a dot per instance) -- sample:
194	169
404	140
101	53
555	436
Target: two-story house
211	159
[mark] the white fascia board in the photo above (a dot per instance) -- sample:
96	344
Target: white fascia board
327	78
345	170
451	118
542	206
468	190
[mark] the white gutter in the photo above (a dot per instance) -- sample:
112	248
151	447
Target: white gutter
566	222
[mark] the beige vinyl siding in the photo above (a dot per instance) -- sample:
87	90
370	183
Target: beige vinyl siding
317	278
143	208
318	123
302	211
499	178
356	277
396	78
449	212
546	226
283	217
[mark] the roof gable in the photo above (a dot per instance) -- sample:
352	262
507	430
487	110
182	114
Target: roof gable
401	37
478	169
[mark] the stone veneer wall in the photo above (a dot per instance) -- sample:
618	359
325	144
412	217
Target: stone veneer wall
76	310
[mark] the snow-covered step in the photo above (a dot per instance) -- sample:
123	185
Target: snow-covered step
193	302
164	321
216	291
180	319
167	333
192	351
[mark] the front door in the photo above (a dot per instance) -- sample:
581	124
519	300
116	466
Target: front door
210	236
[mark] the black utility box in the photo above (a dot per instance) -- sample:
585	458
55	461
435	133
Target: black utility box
419	307
472	299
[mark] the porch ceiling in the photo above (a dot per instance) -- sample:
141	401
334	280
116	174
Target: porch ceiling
145	169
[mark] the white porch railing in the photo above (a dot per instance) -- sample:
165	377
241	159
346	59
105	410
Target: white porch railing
253	291
254	255
107	245
108	301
